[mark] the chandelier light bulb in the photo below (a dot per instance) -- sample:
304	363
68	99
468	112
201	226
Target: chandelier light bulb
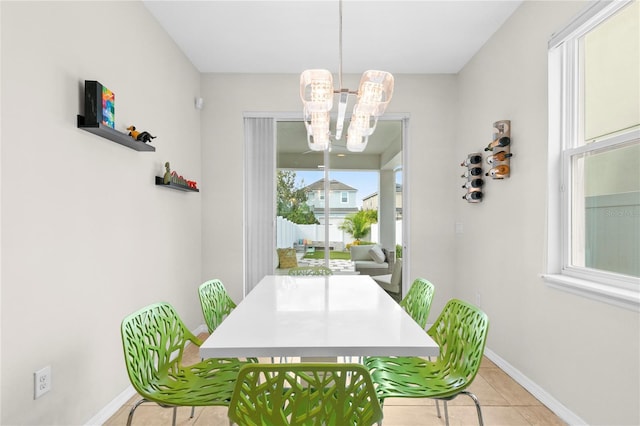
371	92
355	141
375	91
316	90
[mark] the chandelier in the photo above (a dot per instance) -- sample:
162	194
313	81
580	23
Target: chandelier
317	93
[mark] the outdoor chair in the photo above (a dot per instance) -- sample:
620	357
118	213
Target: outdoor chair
304	394
392	283
154	339
310	270
461	332
216	305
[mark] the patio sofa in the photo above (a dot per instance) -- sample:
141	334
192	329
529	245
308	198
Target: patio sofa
368	261
333	245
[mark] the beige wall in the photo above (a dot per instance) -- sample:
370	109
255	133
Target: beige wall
582	352
87	237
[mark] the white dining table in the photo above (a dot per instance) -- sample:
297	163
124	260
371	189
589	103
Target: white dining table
337	315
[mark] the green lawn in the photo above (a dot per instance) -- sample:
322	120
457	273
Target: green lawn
319	254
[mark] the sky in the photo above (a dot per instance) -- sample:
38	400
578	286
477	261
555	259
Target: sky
365	182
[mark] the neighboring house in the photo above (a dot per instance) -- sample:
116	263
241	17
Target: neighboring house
370	202
342	200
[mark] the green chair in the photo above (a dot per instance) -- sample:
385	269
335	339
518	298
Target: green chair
154	339
304	394
216	305
461	332
417	302
310	270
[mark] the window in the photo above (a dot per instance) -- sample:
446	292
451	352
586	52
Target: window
594	155
344	197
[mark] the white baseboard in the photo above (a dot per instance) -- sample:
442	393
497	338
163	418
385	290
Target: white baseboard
202	328
541	395
111	408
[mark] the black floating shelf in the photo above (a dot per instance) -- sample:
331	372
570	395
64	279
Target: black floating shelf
113	135
176	186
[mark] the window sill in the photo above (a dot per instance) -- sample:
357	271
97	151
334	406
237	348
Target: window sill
629	299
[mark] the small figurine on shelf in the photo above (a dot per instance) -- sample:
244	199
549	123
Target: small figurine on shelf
140	136
178	179
167	174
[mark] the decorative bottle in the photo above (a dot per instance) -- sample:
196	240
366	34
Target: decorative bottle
503	141
499	172
474	183
499	156
473	196
474	171
472	159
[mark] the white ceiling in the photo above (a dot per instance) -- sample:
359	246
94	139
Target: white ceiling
242	36
263	36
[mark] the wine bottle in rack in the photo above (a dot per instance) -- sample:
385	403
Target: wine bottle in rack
473	171
472	159
499	156
499	172
473	196
474	183
503	141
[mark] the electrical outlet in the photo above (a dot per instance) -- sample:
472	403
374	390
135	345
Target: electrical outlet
41	382
478	298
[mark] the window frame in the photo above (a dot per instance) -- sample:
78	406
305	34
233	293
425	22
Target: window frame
344	197
564	131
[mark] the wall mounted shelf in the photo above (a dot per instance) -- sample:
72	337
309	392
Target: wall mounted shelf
177	187
113	135
474	183
500	149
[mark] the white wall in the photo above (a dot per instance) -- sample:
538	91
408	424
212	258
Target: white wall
87	237
430	100
582	352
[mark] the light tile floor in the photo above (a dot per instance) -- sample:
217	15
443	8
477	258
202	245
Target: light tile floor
504	403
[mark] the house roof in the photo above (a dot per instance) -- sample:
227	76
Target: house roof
398	189
334	185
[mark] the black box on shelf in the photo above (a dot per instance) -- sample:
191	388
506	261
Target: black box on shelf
98	104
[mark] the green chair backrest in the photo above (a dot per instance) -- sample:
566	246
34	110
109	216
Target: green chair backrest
153	340
216	303
304	394
310	270
417	302
461	332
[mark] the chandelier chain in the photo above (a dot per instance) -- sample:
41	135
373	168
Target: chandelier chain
340	44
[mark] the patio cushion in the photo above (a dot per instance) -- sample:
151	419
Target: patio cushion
377	254
360	252
287	258
371	264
